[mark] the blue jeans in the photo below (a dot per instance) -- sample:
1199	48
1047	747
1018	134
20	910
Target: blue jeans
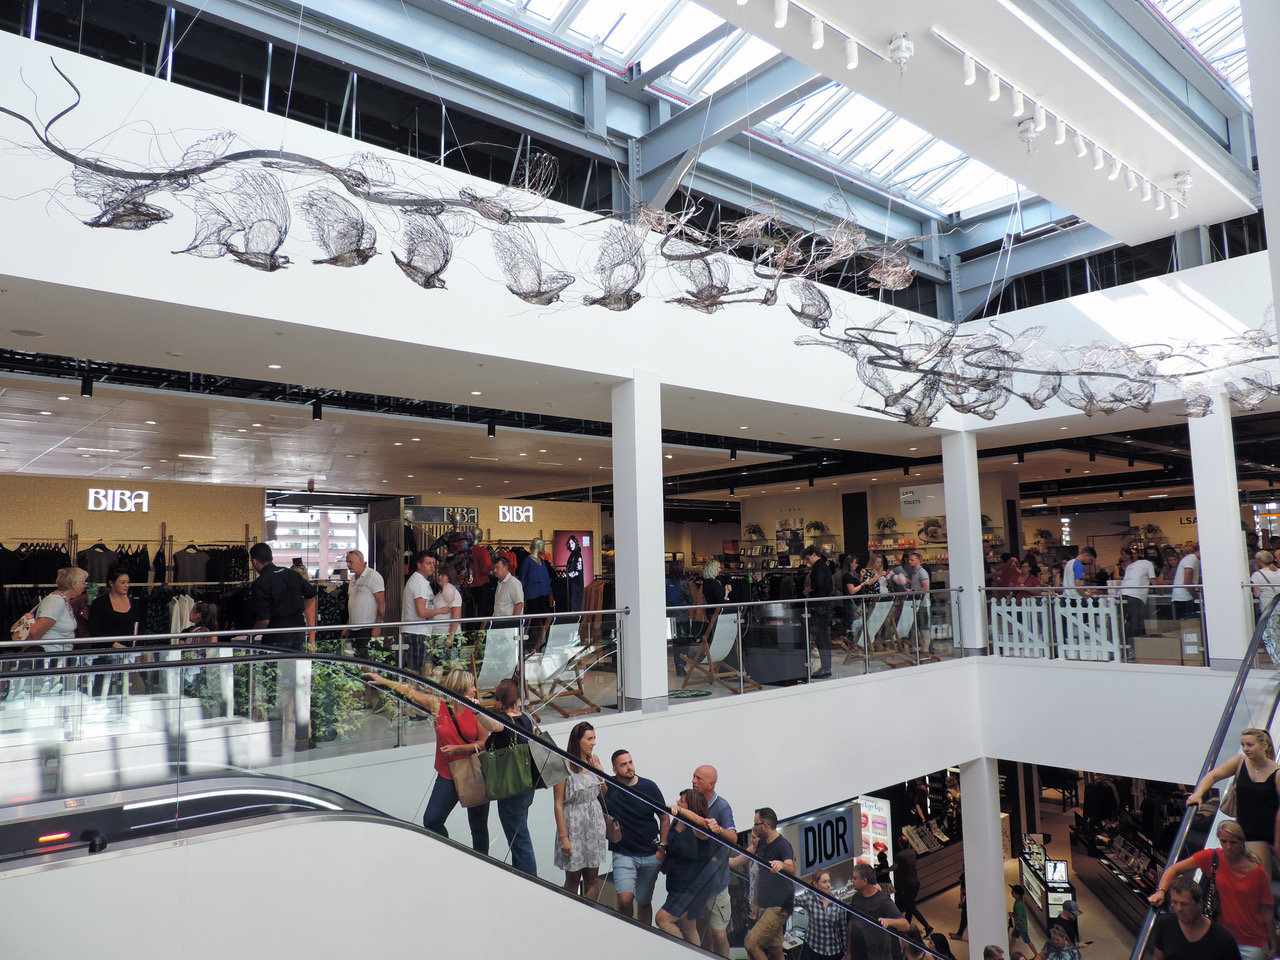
513	814
444	797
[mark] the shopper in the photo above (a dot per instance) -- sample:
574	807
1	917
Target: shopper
1028	582
1073	573
535	580
868	940
938	943
1059	946
481	582
54	619
906	883
417	605
719	824
1069	920
1257	789
645	827
686	855
1266	581
1019	928
1007	575
1244	891
113	613
508	598
964	911
826	936
818	587
679	595
579	817
1186	602
1188	934
774	892
513	812
713	594
446	608
459	731
1138	575
281	597
366	604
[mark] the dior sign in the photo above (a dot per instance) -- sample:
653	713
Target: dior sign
119	501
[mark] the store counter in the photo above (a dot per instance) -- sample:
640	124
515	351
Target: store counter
1121	870
1045	881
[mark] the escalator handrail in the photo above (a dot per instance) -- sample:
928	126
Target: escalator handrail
257	653
1215	745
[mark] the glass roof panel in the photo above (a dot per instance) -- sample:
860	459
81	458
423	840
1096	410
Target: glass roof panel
546	9
684	73
974	184
938	154
742	61
897	141
1216	29
689	24
849	123
799	115
622	22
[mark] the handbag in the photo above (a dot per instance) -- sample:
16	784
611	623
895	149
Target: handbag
468	777
1227	805
508	771
1212	901
21	628
612	828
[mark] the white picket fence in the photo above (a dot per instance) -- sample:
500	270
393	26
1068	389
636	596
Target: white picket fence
1063	627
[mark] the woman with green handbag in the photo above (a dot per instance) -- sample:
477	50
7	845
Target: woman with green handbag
513	812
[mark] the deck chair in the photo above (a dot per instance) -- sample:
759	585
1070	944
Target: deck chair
501	657
708	657
557	670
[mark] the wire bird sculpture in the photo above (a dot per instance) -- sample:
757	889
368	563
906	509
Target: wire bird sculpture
917	367
619	268
524	270
427	249
337	227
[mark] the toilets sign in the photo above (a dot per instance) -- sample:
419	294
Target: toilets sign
119	501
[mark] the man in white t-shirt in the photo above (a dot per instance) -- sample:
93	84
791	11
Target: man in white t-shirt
1186	602
1073	572
417	605
1133	592
366	603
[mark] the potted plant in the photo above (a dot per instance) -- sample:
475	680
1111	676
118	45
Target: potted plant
754	531
1043	535
886	524
1152	530
987	523
815	526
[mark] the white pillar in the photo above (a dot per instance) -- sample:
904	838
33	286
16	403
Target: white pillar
964	537
1223	565
1261	37
983	855
638	539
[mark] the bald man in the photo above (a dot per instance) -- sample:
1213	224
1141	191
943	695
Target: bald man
719	823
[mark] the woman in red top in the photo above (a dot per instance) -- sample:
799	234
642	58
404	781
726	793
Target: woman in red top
459	731
1243	889
1028	577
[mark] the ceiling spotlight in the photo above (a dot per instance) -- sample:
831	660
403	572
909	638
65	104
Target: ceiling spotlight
1115	169
1078	142
780	13
1121	493
906	471
731	492
733	453
1060	133
901	49
1097	157
1039	115
1131	180
317	410
817	33
493	429
851	54
1146	190
993	86
970	71
86	385
1018	104
1022	457
742	3
1160	200
1174	209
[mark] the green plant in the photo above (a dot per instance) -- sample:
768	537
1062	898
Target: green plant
885	524
815	526
754	531
1152	530
986	521
606	542
1043	535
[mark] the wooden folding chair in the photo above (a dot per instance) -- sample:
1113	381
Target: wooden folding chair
557	670
708	658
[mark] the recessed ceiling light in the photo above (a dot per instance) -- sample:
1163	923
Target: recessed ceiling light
579	459
797	488
476	393
173	353
1062	428
150	422
835	439
873	479
64	398
542	451
913	448
669	456
26	333
255	424
398	444
409	475
195	456
85	455
524	454
384	481
96	450
742	428
273	366
416	439
166	461
242	429
459	478
917	474
351	456
477	486
46	413
146	468
1088	471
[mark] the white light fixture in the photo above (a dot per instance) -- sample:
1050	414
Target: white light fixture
742	3
1160	200
780	13
1078	143
1131	180
970	71
1114	172
1146	191
1060	133
901	49
1097	157
817	33
1040	118
1018	105
851	54
993	86
1173	210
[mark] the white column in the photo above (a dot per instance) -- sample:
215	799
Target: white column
638	538
964	536
983	855
1223	565
1261	37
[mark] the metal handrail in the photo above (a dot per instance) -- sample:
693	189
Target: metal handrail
1219	738
807	600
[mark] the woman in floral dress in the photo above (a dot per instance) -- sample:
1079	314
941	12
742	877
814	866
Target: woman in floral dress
579	817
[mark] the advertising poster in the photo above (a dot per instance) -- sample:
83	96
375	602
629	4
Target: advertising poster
563	543
877	828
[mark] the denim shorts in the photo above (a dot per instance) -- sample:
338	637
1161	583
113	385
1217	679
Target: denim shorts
636	875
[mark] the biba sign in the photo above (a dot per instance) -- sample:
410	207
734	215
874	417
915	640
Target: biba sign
119	501
510	514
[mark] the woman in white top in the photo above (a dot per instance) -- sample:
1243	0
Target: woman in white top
55	620
446	607
1266	581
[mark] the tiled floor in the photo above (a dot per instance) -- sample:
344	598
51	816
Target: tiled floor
1111	940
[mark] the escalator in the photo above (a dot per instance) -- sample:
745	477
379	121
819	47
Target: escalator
189	781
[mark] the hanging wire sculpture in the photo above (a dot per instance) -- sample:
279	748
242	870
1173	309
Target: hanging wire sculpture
242	208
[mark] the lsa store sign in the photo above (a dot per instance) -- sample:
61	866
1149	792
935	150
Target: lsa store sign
119	501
